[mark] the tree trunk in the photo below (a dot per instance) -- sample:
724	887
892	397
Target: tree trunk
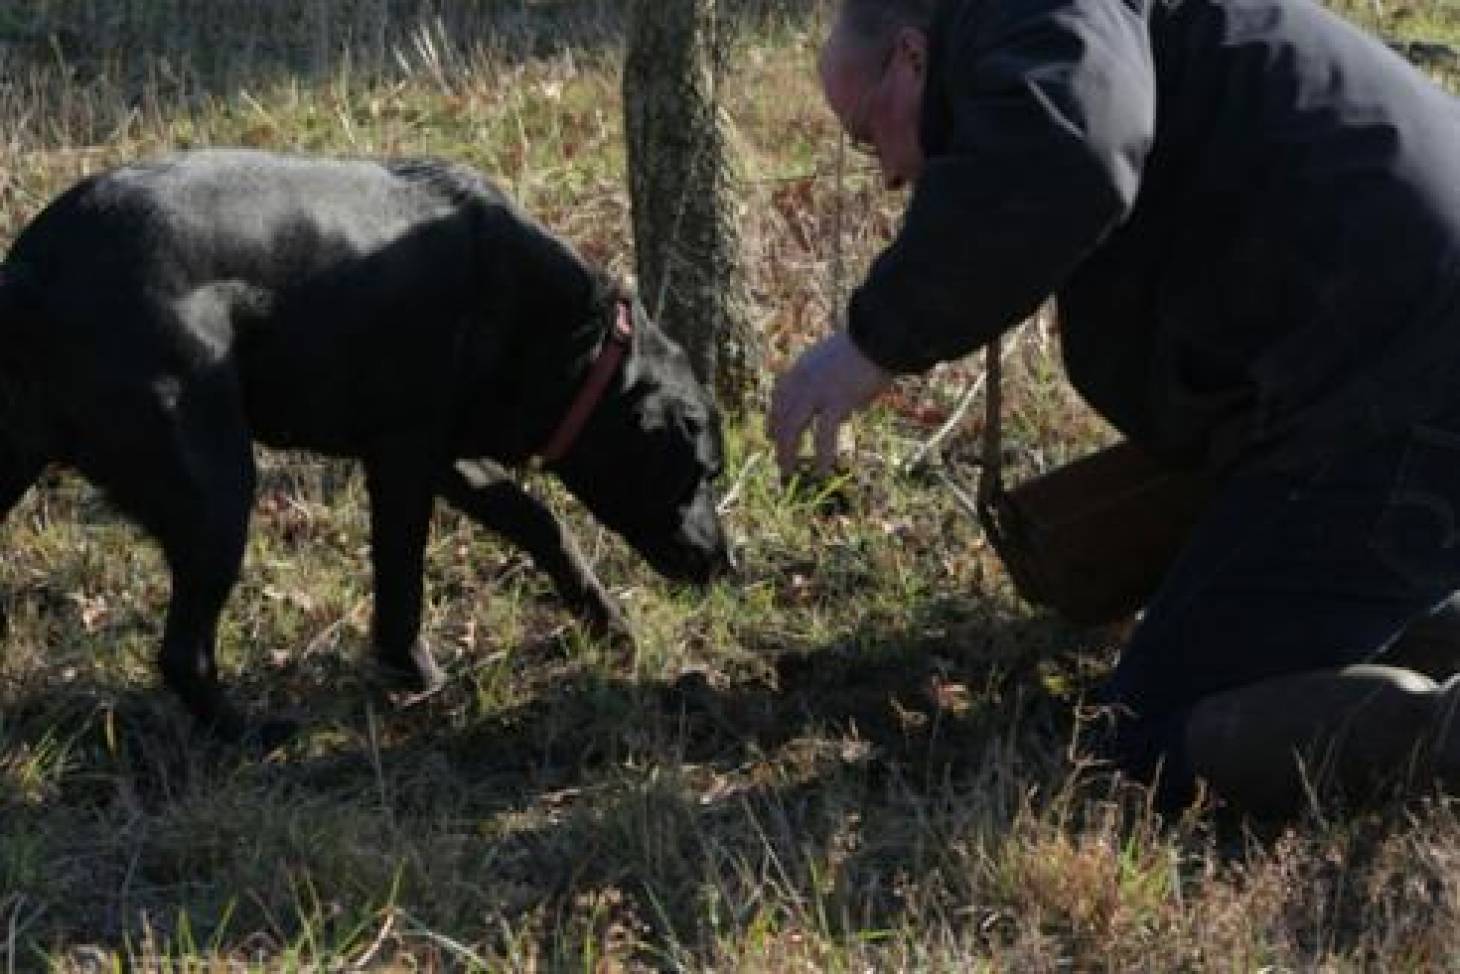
681	183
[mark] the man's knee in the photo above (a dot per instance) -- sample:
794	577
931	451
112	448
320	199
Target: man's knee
1357	733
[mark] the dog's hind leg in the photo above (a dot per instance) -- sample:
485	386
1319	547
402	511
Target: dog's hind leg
21	461
486	493
401	500
18	471
189	479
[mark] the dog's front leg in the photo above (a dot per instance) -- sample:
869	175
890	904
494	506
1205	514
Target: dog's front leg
401	498
486	493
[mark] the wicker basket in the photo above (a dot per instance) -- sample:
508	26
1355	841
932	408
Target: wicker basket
1092	539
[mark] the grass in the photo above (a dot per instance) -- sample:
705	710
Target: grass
854	758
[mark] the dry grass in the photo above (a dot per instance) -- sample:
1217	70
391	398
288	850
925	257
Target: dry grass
853	759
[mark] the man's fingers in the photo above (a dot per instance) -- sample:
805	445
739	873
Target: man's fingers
789	416
828	383
828	425
786	449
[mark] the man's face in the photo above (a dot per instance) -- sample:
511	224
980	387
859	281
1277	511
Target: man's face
877	93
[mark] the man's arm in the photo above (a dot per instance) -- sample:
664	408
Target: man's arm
1053	111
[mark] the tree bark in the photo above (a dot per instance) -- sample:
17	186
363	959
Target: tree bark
682	187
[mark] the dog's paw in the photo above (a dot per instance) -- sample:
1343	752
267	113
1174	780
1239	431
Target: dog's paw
413	675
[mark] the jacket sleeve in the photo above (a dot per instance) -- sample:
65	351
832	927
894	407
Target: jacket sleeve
1051	109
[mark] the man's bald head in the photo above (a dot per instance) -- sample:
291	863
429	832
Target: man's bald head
874	23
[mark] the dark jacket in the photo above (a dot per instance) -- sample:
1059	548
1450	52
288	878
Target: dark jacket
1249	210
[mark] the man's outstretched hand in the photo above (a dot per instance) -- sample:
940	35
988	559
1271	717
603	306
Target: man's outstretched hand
829	382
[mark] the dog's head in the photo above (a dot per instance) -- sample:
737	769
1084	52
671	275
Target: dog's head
647	459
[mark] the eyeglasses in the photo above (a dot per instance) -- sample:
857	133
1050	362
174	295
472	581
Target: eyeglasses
856	139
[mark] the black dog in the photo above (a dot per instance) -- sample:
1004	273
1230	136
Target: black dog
158	318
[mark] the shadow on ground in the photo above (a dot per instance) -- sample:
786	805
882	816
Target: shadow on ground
647	789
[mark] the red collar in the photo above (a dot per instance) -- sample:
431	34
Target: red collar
610	356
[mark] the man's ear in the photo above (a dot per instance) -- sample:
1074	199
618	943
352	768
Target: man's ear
911	44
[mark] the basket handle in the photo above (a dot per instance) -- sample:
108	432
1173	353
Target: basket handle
991	480
1003	524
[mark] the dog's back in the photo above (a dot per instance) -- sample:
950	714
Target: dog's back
329	285
271	220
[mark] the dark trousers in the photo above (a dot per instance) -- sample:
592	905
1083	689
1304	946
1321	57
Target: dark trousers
1290	571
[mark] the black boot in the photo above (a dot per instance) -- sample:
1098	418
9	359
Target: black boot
1363	732
1431	644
